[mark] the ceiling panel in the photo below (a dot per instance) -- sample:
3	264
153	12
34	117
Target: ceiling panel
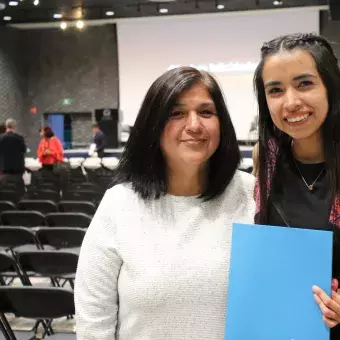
26	11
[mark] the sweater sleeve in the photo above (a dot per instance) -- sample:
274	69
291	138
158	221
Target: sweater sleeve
96	296
40	151
56	149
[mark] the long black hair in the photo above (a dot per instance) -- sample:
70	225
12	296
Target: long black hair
327	66
142	163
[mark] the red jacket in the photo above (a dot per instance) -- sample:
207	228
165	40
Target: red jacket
56	151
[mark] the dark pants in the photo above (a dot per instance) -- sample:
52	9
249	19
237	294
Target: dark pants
13	182
101	153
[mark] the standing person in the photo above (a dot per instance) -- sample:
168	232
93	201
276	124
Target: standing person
12	156
50	150
298	90
155	260
99	139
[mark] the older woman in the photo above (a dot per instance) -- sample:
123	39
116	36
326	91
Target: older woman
155	260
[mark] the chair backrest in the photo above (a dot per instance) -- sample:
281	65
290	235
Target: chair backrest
7	205
8	264
10	195
49	263
83	195
11	237
85	207
61	237
43	206
46	194
79	220
37	303
22	218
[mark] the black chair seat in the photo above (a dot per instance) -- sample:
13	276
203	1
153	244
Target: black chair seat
37	303
79	220
17	238
50	195
85	207
22	218
43	206
61	238
7	206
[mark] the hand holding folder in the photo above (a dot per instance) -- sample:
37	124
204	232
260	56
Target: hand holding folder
272	272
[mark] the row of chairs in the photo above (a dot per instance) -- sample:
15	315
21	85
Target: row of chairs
46	206
37	219
52	195
16	239
59	266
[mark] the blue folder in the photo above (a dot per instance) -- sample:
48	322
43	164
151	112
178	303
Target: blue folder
272	272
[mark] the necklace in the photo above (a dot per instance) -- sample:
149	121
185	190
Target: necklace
309	186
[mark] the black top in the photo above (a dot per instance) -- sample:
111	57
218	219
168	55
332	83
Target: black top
12	153
297	206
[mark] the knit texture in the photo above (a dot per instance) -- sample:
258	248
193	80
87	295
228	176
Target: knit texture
158	270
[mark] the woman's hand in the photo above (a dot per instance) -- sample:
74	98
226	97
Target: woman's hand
329	306
47	152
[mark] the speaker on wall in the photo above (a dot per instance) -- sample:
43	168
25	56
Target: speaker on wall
107	120
334	8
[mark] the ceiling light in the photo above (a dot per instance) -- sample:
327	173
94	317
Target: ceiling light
277	3
2	5
7	18
36	2
57	16
110	13
220	6
163	10
63	25
13	3
80	24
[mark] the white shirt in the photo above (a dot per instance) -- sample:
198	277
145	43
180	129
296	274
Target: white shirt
158	269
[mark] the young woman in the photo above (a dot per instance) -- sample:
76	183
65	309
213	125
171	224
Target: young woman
155	260
298	90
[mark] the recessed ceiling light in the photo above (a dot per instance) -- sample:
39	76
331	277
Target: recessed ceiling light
2	5
57	16
80	24
13	3
7	18
220	6
163	10
63	25
36	2
110	13
277	3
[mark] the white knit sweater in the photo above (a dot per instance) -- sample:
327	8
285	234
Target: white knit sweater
158	270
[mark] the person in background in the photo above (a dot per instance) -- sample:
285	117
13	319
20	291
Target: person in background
2	128
50	150
12	157
99	139
155	260
298	90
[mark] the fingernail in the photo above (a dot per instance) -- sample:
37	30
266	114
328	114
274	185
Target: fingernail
314	288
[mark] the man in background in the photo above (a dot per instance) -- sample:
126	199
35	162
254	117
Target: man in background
98	139
12	157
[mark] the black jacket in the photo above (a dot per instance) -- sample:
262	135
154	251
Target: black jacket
100	141
12	153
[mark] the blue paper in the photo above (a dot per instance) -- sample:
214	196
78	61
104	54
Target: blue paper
272	272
